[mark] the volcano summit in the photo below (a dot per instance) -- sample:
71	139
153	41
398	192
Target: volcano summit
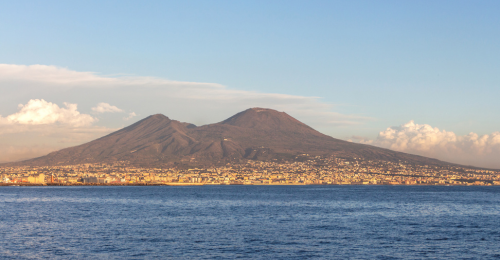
254	134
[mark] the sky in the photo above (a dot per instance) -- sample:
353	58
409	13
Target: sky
414	76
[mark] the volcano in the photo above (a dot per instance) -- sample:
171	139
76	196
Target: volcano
254	134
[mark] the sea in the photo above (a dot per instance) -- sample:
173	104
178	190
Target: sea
250	222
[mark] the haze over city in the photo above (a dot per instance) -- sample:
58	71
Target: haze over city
416	77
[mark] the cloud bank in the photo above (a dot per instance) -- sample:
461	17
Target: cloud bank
425	140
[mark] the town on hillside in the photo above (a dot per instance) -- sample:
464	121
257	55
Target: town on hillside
305	170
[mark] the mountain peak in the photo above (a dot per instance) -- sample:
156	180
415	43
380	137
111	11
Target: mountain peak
265	119
259	109
158	117
156	121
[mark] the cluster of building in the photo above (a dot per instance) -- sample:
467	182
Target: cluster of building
304	170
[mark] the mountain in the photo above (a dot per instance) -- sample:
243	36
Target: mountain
256	134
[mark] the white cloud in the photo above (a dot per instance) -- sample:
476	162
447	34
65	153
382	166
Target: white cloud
57	76
106	108
430	141
40	127
49	74
39	112
130	116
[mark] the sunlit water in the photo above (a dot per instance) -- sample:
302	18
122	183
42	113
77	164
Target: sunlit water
257	222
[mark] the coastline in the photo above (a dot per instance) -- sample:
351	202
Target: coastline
217	184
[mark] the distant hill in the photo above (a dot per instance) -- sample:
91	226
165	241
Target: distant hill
256	134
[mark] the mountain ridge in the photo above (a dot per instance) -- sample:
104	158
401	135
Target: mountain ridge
255	134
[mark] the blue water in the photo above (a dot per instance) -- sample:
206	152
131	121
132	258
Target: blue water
257	222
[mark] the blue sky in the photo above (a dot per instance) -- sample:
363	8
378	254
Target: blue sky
434	62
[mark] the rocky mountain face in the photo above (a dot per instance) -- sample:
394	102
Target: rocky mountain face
256	134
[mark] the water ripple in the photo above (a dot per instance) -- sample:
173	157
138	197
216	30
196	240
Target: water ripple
257	222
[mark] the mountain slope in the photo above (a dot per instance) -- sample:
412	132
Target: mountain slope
256	133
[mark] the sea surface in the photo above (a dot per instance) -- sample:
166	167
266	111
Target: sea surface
250	222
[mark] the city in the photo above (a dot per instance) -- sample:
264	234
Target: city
306	170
